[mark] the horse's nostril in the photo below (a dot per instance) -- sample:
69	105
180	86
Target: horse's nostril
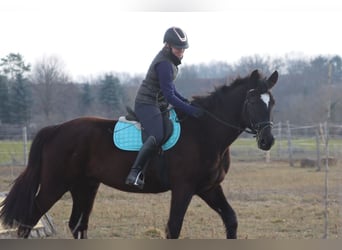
265	144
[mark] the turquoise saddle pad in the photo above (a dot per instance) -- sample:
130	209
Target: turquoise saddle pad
127	134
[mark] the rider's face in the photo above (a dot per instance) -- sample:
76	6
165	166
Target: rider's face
178	52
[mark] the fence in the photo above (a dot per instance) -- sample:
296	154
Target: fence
14	145
295	144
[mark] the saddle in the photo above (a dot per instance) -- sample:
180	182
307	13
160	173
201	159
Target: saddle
129	136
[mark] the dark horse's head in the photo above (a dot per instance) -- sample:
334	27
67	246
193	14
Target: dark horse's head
257	108
244	105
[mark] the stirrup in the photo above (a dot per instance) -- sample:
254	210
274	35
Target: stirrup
139	180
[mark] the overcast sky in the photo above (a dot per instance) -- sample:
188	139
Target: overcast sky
93	37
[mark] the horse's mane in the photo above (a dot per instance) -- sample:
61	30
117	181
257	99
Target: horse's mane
219	92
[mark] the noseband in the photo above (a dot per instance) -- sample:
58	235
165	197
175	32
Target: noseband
258	128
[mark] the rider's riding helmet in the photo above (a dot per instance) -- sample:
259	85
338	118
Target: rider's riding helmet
176	37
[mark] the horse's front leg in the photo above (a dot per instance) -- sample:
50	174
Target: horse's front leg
216	200
180	200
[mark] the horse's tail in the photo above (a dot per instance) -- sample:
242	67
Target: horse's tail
18	205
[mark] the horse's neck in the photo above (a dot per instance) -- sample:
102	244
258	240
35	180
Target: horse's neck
224	136
228	128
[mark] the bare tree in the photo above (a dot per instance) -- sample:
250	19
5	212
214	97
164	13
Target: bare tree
246	64
47	77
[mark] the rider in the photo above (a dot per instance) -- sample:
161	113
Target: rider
156	92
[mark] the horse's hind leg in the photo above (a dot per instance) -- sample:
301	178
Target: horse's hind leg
83	195
216	200
42	203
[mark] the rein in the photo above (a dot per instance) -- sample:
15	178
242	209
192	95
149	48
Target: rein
227	124
256	129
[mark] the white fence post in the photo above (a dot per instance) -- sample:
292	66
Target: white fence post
318	150
279	138
289	144
326	179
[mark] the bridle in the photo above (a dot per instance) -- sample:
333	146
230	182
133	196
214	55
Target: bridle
259	127
256	129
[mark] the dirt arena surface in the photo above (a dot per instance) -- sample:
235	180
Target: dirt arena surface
272	201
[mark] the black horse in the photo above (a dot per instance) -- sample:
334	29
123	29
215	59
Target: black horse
78	155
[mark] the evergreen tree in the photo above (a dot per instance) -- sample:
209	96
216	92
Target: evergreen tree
86	99
111	95
18	103
13	65
336	62
4	100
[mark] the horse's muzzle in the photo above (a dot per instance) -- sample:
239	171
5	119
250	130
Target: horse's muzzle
265	139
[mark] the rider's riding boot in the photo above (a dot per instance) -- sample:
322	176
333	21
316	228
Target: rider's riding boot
135	176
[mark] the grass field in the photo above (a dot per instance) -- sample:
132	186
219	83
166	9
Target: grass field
12	152
272	201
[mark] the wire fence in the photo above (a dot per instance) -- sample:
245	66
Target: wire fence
295	144
14	145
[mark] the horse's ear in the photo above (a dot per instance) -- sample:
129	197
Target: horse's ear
272	80
254	79
255	75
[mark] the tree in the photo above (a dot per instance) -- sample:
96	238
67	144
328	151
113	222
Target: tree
86	99
17	98
47	76
20	101
247	64
336	63
4	100
111	95
13	65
